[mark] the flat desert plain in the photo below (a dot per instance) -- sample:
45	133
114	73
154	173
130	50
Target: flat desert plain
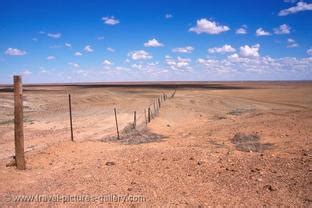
227	144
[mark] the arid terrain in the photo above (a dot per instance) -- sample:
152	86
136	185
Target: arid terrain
227	144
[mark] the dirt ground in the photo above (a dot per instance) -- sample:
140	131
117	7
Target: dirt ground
238	144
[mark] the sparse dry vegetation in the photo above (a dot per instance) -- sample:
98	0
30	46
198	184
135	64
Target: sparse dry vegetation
238	145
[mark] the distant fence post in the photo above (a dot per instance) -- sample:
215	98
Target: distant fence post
145	116
149	115
70	118
18	123
159	103
154	109
116	123
173	93
134	119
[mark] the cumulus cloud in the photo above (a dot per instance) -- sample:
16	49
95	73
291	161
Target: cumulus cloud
300	7
179	63
110	20
261	32
210	27
15	52
88	49
242	30
153	43
309	51
107	62
168	16
291	43
282	29
110	49
137	66
54	35
78	53
73	64
216	65
187	49
224	49
68	45
239	66
26	72
250	51
140	54
51	58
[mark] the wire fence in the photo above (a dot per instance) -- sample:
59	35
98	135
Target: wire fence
75	116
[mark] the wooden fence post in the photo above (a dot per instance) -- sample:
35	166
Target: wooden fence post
70	118
159	103
154	109
149	115
116	123
145	116
134	119
18	123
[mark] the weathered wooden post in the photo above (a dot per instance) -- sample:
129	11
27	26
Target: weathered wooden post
149	115
173	93
18	123
70	118
134	119
159	103
116	123
154	109
145	116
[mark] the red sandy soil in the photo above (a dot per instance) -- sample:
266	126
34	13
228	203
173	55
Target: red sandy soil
194	163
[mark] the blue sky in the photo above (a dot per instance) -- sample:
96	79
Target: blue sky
79	41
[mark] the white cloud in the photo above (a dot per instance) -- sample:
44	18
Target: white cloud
110	49
309	51
242	30
267	67
179	63
153	43
26	72
261	32
68	45
110	20
300	7
168	16
51	58
73	64
250	51
216	66
15	52
107	62
224	49
140	54
88	48
187	49
78	53
54	35
210	27
137	66
282	29
291	43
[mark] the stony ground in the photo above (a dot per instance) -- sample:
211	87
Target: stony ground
206	147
